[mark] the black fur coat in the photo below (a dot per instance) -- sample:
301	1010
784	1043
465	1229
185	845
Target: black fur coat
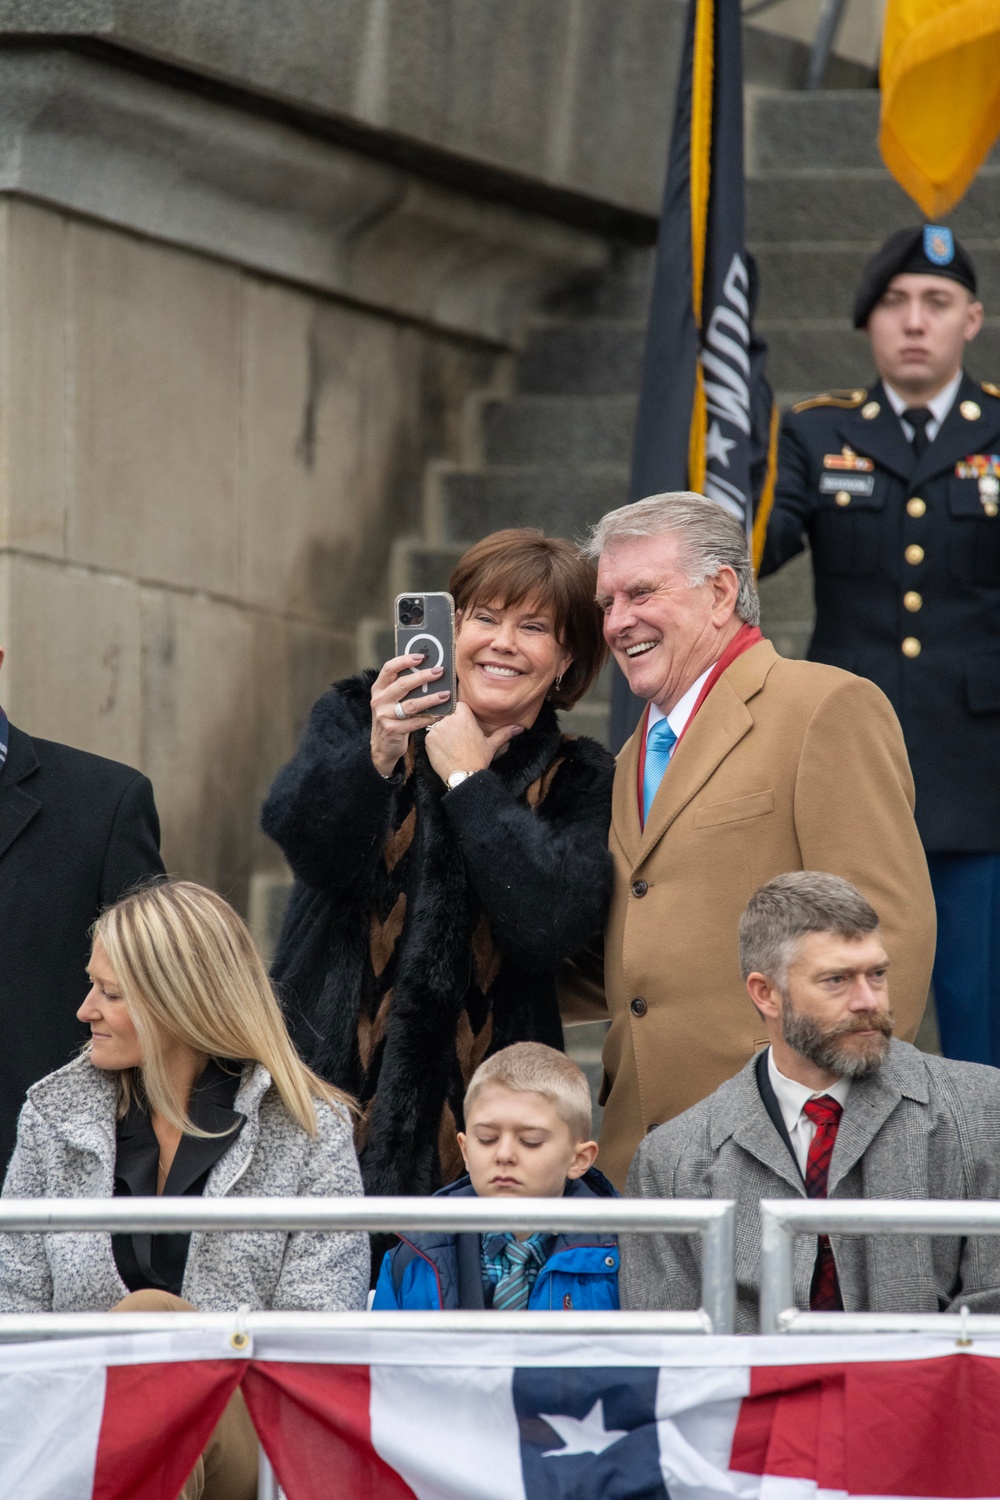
426	925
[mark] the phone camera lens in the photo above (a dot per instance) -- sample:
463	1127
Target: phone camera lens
405	618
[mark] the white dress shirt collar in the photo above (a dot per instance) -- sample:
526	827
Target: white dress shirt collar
680	713
792	1098
939	406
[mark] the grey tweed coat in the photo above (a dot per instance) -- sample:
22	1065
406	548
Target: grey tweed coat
921	1127
66	1149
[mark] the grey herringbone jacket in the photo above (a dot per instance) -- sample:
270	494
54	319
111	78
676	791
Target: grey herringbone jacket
66	1149
921	1127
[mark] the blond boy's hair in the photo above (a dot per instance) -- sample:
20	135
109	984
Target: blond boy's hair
533	1068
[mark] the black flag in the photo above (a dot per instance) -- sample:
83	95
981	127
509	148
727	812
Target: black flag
706	420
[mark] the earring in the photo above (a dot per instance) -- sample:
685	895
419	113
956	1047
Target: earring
558	682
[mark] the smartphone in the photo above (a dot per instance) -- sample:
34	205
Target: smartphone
426	622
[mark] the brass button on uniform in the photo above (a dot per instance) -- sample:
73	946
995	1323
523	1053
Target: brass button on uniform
990	507
916	506
638	1006
911	648
870	410
914	554
639	887
971	411
912	601
842	497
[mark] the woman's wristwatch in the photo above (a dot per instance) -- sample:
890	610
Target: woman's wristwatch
456	778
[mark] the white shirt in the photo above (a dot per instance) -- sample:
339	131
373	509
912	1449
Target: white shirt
680	713
791	1098
939	406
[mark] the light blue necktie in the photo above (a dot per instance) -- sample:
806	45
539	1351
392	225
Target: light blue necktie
514	1289
659	743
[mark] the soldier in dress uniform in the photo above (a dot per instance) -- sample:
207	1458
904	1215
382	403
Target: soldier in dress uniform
898	489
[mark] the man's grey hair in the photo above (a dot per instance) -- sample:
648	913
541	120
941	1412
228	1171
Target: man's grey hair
788	909
710	539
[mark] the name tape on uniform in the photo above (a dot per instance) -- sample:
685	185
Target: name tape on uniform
853	484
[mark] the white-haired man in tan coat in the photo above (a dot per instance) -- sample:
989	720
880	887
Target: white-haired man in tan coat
743	766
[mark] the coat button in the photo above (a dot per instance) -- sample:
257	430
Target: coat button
912	601
916	506
911	648
842	497
638	1006
639	887
609	1260
990	507
914	554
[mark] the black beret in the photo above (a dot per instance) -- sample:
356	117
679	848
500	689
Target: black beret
927	250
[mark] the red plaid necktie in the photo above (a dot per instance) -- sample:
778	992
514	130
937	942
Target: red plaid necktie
825	1114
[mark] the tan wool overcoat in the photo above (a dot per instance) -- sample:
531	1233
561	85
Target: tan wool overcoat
788	765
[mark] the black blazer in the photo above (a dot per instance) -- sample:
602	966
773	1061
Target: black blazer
76	831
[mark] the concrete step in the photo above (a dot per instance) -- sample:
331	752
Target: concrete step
584	1045
375	642
563	501
827	128
817	354
592	358
559	429
863	204
622	293
422	566
821	280
589	717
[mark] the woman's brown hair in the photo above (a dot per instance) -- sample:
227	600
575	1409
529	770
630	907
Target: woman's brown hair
521	563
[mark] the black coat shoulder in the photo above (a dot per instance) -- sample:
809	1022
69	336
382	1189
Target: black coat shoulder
64	765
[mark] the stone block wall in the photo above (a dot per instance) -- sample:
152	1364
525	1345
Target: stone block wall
201	470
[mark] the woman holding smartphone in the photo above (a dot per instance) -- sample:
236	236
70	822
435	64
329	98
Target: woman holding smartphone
445	865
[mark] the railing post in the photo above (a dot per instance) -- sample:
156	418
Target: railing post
267	1484
718	1282
777	1285
830	16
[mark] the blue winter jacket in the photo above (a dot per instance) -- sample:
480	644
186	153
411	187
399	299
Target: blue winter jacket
432	1271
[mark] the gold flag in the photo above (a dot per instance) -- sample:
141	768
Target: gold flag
940	82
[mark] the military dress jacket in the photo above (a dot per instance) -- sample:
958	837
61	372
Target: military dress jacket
906	561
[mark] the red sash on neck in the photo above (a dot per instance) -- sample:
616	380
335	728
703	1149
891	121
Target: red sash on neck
745	637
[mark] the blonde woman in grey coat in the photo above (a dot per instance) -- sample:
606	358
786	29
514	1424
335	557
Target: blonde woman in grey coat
189	1085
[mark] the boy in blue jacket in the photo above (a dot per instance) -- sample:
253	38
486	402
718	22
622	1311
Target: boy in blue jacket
527	1123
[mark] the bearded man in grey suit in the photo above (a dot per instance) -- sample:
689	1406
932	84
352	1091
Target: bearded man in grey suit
832	1107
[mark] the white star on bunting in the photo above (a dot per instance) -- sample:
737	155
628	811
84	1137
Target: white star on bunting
587	1436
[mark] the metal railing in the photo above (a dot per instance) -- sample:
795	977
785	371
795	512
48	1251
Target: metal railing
831	14
714	1221
782	1219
